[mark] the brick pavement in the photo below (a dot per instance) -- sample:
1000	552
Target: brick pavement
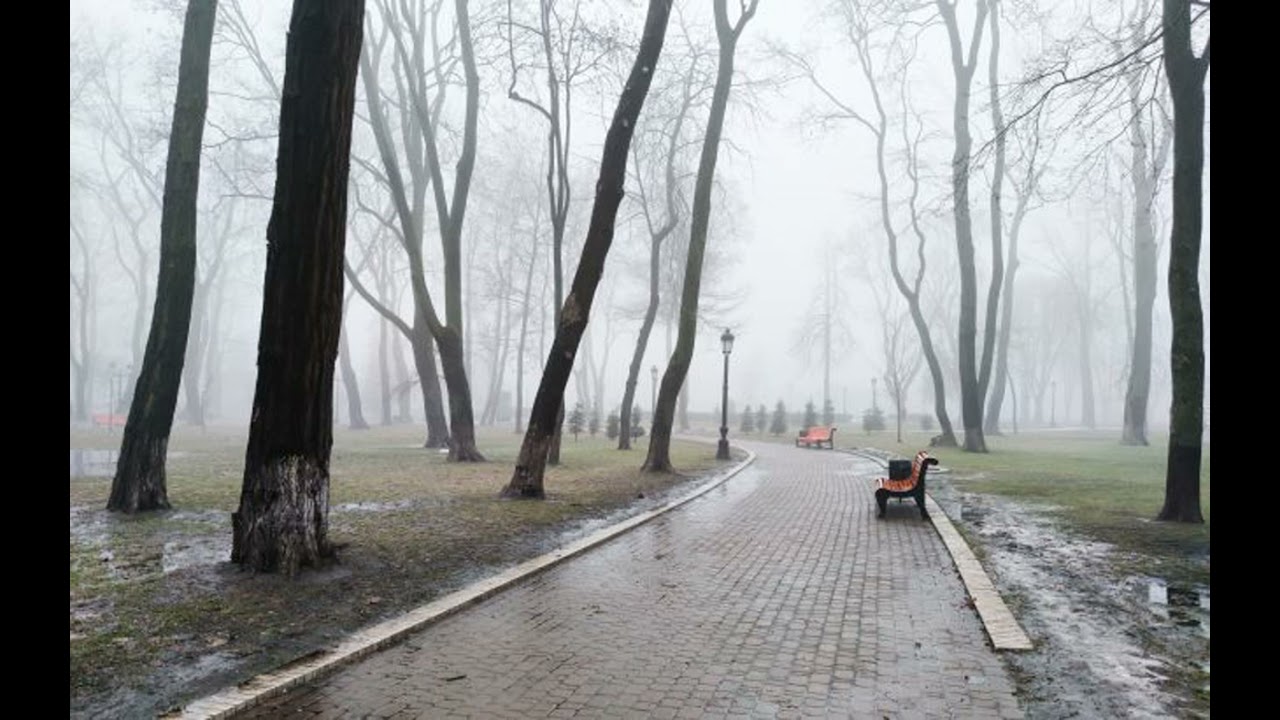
777	594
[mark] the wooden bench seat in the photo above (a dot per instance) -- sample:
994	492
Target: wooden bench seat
911	486
817	437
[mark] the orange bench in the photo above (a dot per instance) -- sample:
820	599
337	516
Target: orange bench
911	486
816	437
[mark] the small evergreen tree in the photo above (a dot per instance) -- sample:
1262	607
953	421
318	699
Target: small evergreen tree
779	424
926	422
810	415
828	413
872	420
593	425
611	426
762	419
748	420
575	420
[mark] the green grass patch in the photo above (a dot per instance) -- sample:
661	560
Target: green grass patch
1106	490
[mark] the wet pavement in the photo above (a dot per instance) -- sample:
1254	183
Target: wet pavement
778	594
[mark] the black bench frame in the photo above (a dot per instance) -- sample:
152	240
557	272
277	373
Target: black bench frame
917	491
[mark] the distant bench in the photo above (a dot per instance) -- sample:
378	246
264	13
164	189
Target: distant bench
108	420
817	437
910	486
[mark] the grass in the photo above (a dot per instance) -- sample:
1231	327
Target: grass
1106	490
158	615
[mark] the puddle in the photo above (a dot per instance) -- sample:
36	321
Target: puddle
1183	605
131	548
371	506
1105	645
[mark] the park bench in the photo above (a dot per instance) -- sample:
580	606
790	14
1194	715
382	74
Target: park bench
817	437
109	420
910	486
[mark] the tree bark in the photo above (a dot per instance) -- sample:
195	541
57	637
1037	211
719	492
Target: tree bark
139	482
282	522
659	456
527	478
1186	74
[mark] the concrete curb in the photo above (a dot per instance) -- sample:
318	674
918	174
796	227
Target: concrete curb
229	701
1002	628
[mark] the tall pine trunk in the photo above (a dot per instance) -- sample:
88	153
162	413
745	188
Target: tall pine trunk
527	478
1186	354
139	482
283	519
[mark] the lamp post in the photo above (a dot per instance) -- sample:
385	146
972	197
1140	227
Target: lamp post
1053	403
722	449
653	389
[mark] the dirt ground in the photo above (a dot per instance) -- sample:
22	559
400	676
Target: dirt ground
158	615
1110	641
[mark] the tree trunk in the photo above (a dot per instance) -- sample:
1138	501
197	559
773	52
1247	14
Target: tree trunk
139	482
970	386
527	478
282	522
403	379
642	341
659	457
191	370
429	380
355	413
1138	389
524	332
384	374
1186	354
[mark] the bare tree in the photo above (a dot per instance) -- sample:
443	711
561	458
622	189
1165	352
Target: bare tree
282	521
974	373
862	28
421	90
823	324
84	282
728	33
568	51
1186	73
139	482
658	147
1026	188
1149	140
527	478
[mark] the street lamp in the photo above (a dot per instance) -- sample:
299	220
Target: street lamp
653	390
1053	404
722	450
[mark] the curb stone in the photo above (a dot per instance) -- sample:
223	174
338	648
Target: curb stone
1002	628
364	642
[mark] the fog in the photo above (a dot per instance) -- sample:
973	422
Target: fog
795	228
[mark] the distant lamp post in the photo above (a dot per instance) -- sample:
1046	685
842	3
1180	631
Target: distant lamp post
722	450
653	390
1053	404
